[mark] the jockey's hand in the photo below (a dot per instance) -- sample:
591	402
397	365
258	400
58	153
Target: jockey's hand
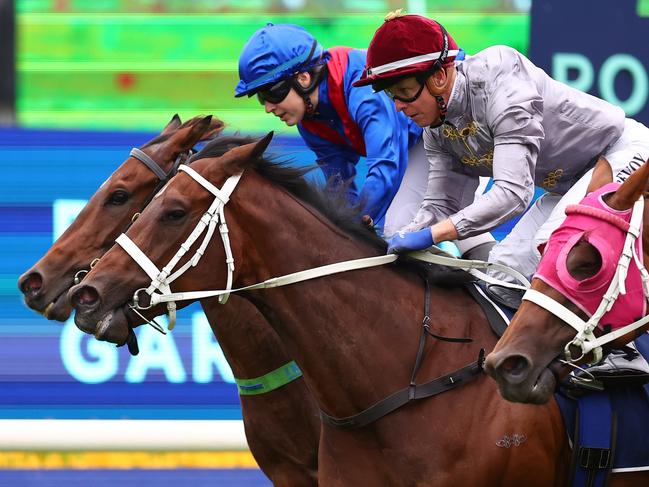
368	222
401	242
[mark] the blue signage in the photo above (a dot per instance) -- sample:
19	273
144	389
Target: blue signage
53	370
597	46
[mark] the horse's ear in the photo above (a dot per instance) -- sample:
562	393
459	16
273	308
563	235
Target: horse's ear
173	124
204	129
262	144
214	128
237	159
602	175
631	189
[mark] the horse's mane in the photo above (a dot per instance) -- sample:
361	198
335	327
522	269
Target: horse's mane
332	203
330	200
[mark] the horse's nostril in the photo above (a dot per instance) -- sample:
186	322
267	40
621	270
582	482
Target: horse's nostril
86	296
514	366
31	284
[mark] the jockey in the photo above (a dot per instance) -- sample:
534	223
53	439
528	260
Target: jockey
303	84
494	114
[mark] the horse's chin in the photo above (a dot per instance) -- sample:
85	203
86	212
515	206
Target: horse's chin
113	327
539	392
59	309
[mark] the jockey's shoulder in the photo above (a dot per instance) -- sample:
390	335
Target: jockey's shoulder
493	62
497	51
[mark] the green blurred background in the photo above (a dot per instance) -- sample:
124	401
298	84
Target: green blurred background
131	64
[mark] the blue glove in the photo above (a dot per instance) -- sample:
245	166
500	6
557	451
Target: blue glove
419	240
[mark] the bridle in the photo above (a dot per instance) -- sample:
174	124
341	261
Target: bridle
163	178
161	279
585	339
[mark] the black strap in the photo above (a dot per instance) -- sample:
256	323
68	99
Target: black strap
425	324
148	162
131	341
413	392
181	159
410	393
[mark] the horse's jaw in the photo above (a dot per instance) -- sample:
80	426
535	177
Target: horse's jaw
518	381
111	327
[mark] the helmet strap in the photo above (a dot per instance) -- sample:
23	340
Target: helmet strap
310	109
317	73
443	108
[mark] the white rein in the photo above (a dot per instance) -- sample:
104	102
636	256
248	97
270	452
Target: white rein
162	279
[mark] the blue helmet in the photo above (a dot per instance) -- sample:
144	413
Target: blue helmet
274	53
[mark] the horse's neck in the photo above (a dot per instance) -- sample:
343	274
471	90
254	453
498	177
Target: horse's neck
250	345
355	334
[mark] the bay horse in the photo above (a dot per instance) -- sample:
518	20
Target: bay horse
524	362
355	335
107	213
282	426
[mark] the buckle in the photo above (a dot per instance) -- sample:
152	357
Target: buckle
594	458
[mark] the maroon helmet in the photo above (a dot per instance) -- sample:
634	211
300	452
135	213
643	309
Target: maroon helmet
406	45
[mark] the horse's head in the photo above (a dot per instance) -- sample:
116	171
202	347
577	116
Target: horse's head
590	283
185	209
108	212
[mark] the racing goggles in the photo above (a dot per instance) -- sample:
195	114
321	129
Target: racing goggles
276	92
390	91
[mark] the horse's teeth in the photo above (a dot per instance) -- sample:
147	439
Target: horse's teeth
103	324
46	311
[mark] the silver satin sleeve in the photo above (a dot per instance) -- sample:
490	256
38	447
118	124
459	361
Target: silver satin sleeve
510	194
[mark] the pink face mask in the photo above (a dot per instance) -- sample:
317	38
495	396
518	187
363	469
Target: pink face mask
595	222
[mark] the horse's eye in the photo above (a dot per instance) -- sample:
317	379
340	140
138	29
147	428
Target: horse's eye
583	261
118	198
174	215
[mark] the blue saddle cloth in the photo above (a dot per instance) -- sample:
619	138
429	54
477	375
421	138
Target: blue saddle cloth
631	407
632	436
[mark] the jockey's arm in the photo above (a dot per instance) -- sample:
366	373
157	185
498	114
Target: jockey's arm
509	196
514	115
449	208
386	141
336	162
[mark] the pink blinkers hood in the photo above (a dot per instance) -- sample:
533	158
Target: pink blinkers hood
594	221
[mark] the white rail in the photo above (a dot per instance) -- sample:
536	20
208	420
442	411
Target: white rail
121	434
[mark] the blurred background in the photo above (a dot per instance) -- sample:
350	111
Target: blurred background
83	81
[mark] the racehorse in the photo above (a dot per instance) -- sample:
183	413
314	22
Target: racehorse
355	335
282	426
107	213
524	362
